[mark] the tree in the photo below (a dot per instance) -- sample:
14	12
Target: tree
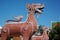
55	32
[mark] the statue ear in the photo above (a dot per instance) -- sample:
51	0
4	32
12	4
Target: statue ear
28	6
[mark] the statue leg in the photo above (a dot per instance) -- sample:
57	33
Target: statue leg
25	37
3	36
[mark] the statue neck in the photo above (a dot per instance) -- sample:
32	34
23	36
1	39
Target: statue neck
31	18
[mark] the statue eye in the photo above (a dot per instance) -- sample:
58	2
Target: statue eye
30	9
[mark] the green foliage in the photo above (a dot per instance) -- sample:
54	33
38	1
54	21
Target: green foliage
53	23
55	32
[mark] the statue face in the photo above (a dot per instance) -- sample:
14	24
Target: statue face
36	8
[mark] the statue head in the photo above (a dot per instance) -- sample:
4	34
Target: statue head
36	8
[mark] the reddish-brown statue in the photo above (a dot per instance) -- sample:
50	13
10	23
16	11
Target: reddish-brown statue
44	35
27	28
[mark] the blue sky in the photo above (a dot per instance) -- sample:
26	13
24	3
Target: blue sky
9	8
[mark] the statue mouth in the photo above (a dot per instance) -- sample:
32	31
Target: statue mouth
39	10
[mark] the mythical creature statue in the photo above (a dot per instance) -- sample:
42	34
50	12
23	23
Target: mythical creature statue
27	28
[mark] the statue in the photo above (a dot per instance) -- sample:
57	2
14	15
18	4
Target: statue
44	36
27	28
